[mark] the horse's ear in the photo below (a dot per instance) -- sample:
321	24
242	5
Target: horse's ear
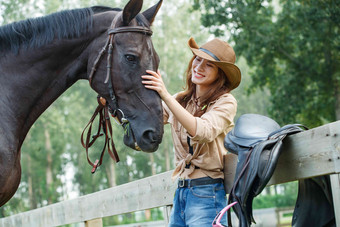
150	13
132	8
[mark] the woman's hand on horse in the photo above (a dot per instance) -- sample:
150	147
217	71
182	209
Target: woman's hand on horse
155	82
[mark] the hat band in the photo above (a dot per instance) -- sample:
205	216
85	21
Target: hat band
211	54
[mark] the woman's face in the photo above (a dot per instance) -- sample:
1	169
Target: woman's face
204	72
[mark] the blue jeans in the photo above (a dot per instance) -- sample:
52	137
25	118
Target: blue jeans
197	206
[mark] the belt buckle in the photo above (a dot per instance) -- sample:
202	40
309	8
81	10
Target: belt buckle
181	183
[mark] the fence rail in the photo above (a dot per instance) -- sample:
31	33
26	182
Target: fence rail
307	154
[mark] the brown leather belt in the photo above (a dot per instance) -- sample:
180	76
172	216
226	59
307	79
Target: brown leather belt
187	183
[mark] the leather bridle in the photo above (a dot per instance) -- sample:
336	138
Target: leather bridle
109	47
103	108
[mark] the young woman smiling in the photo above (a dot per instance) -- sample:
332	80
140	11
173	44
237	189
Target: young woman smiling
200	117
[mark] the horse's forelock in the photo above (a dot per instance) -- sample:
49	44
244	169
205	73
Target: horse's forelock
139	19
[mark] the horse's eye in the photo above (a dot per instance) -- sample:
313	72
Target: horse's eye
130	58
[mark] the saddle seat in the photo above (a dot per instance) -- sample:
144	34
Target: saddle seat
248	131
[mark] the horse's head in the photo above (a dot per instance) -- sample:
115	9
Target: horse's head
127	54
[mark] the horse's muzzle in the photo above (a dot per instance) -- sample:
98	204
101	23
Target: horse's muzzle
146	142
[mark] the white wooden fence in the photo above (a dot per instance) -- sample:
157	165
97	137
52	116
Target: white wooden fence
308	154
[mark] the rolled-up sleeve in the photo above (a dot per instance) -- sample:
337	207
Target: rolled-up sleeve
217	119
165	113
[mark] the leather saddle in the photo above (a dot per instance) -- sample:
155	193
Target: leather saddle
257	140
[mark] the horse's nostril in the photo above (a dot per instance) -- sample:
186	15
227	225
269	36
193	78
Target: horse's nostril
149	135
149	140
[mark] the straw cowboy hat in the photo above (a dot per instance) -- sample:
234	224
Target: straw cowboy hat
222	55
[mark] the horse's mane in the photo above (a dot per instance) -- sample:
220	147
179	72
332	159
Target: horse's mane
36	32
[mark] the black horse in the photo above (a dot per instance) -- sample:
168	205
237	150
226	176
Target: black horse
42	57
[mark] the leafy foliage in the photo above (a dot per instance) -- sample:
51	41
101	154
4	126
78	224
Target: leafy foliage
287	198
293	47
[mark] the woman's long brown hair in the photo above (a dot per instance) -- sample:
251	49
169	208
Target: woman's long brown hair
218	88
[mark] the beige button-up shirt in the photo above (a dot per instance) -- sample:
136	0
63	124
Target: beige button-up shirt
208	148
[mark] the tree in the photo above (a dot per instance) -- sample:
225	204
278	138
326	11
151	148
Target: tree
293	47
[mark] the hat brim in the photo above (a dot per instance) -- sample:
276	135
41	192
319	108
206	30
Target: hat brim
231	71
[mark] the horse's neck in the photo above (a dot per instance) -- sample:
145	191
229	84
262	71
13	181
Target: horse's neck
32	80
36	79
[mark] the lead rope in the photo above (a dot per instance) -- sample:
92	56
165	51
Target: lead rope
104	128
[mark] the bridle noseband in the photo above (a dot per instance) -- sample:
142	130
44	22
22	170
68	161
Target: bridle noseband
103	108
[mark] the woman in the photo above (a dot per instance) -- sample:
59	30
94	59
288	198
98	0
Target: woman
200	116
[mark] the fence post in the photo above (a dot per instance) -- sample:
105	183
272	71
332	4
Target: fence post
98	222
335	183
166	214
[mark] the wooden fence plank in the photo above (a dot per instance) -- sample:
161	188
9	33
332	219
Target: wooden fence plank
230	163
312	153
150	192
308	154
167	213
